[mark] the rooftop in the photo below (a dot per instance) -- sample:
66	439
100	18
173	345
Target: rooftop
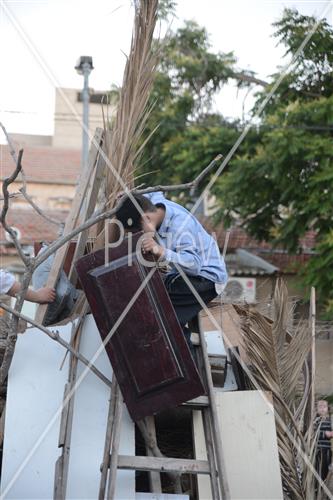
43	164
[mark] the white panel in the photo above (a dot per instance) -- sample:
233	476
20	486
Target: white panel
249	445
249	440
35	391
89	427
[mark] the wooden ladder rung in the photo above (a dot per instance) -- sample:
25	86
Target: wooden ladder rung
164	464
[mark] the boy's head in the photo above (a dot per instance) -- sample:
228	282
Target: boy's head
322	407
133	219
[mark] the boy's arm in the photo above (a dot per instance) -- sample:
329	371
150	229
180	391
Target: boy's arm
181	248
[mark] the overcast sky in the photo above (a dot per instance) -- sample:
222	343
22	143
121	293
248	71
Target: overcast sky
42	39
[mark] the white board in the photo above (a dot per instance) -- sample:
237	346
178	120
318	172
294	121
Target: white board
215	346
35	392
89	426
249	445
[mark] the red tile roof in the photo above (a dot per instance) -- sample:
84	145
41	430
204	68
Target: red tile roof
43	164
279	257
32	226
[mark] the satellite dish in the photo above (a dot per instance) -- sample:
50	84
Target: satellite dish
17	233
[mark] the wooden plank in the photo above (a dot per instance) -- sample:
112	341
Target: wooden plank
164	464
95	184
119	405
108	441
200	450
66	425
71	222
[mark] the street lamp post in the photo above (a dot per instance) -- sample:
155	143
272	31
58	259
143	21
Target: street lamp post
84	67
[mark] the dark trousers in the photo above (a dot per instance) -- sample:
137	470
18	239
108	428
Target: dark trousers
184	302
323	460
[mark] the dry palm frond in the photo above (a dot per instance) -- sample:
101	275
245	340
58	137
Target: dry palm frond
133	108
278	358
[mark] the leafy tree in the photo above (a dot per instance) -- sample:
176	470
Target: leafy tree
287	183
189	135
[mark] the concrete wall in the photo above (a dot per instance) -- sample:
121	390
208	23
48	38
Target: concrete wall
68	118
47	196
324	367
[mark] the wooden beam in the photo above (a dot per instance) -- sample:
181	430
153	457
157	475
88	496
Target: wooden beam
71	221
163	464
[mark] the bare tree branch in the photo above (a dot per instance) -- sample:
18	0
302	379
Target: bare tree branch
246	77
23	189
5	207
37	209
12	151
100	216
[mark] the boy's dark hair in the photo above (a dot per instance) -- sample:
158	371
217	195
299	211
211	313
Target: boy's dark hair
129	215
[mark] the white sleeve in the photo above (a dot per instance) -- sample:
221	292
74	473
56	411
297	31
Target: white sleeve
7	280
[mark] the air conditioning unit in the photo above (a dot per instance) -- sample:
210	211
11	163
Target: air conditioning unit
240	290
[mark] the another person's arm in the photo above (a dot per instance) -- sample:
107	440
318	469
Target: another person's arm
42	296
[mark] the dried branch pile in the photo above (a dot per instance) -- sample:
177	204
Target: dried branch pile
123	149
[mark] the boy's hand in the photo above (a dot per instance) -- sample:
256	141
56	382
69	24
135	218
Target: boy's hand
150	245
45	295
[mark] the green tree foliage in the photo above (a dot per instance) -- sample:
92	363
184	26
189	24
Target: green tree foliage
286	184
189	135
280	181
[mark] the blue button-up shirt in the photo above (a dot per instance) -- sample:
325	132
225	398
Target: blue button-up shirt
187	243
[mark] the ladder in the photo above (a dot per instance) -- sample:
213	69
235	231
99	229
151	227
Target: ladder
214	466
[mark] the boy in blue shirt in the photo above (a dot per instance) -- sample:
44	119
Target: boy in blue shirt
183	244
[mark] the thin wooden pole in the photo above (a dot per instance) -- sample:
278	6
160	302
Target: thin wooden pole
116	431
207	427
66	425
154	477
108	440
221	468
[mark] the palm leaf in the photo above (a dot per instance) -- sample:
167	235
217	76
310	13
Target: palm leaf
133	107
277	353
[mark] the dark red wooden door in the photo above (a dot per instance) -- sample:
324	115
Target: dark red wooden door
147	350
